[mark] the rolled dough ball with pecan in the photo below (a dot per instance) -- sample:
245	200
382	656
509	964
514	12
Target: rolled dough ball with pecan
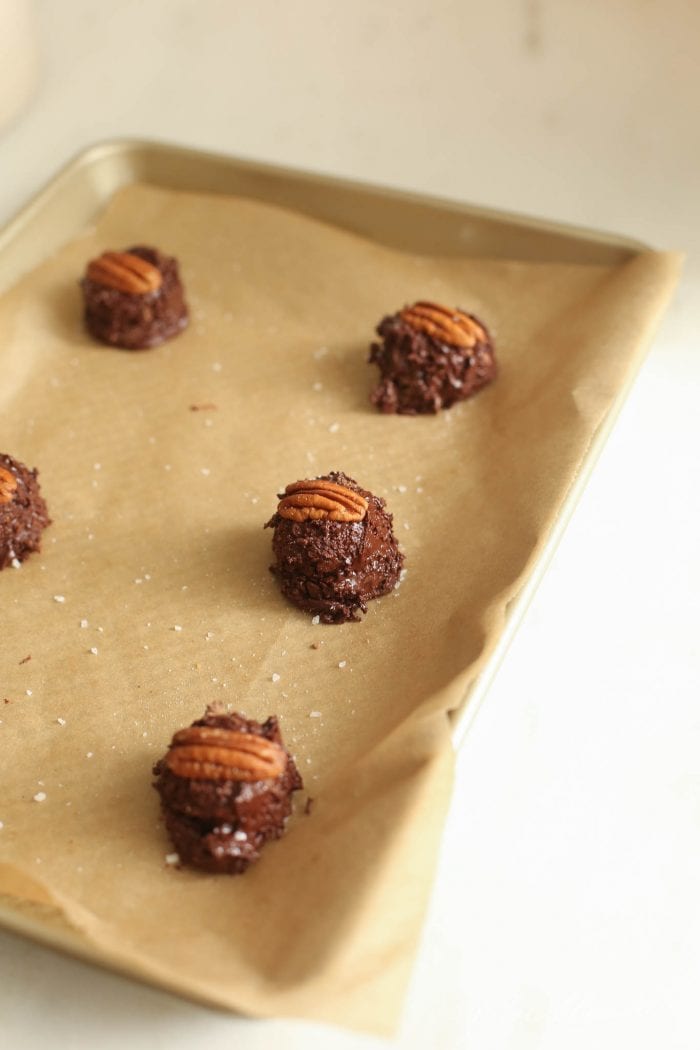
23	513
334	547
225	788
429	358
134	299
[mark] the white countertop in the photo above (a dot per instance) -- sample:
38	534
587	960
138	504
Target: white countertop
565	912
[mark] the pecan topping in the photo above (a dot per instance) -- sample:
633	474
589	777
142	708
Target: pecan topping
213	753
321	500
453	327
125	273
8	486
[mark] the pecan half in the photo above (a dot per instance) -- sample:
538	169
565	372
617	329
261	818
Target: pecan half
212	753
454	327
8	485
125	273
321	500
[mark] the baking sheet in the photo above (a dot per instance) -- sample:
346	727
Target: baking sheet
158	525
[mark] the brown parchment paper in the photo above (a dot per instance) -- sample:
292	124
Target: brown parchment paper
159	559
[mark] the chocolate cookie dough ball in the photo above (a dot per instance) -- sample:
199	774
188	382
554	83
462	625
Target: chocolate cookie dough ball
134	299
430	357
23	513
225	789
334	547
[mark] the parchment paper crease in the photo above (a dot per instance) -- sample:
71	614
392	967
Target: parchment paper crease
158	544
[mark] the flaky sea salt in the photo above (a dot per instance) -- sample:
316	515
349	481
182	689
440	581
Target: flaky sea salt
60	598
275	678
343	663
93	650
314	714
316	620
40	796
240	836
334	428
84	623
177	627
28	692
16	563
402	577
61	721
1	825
172	858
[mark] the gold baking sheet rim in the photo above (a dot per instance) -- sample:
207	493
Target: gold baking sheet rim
69	203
